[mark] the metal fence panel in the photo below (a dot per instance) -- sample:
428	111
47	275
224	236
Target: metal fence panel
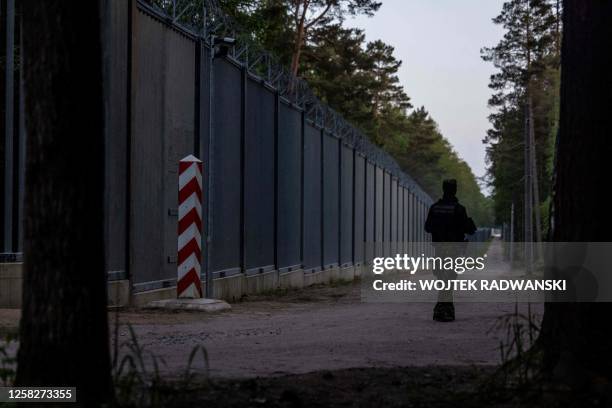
423	216
386	213
289	187
9	124
116	137
225	240
147	147
411	222
400	220
346	205
203	131
312	198
162	133
419	225
379	211
331	199
370	210
359	236
259	219
417	246
394	217
178	133
406	223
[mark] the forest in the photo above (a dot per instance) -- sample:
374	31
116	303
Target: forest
525	86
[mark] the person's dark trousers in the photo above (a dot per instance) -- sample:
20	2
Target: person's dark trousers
444	310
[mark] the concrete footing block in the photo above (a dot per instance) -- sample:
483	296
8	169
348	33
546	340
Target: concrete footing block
293	279
261	282
334	274
11	281
310	278
230	288
199	305
359	270
314	278
346	273
118	293
141	299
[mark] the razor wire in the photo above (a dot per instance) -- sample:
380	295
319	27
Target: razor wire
205	20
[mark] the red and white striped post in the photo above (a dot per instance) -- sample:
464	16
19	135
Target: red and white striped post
189	228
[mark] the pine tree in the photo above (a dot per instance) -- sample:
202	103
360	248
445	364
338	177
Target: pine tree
386	94
527	62
307	14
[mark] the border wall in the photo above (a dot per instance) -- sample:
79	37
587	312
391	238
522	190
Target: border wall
289	200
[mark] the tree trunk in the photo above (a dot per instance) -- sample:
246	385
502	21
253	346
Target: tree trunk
576	336
63	330
297	47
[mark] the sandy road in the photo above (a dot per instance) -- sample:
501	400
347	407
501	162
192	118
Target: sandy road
299	339
323	328
320	328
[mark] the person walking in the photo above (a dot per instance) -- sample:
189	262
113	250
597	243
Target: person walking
448	222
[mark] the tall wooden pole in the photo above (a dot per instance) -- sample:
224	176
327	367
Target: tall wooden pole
528	199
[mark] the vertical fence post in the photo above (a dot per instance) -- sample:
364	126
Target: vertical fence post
190	228
9	128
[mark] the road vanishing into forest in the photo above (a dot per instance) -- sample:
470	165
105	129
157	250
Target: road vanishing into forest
323	328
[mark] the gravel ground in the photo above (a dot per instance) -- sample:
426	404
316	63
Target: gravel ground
318	328
273	338
323	328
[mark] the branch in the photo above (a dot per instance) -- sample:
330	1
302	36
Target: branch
320	16
296	13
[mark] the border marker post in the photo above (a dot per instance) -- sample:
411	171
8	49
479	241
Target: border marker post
189	259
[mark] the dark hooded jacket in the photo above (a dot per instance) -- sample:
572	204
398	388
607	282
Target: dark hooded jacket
447	221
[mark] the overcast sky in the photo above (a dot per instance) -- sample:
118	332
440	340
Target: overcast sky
439	44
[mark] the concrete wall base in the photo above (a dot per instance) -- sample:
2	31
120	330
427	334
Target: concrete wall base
261	282
230	289
360	270
313	278
293	279
119	293
141	299
346	274
11	281
366	270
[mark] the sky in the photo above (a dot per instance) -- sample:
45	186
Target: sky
439	43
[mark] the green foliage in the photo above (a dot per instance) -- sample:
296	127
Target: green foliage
520	358
189	374
527	59
8	361
134	380
137	376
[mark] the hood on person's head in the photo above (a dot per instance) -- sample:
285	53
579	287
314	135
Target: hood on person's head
449	187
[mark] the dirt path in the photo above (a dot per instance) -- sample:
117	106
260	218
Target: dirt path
323	328
318	328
